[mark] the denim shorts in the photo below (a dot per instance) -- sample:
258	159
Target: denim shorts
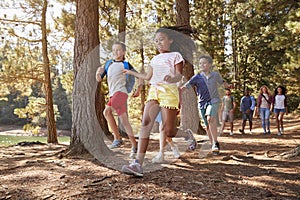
276	110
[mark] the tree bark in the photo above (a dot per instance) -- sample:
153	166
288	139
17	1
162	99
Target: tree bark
50	121
189	115
86	131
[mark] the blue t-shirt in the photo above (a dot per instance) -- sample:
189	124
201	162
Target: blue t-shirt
213	80
201	89
247	102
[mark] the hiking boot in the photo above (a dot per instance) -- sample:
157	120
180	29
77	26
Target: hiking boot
176	152
159	158
134	169
116	144
133	153
191	139
215	148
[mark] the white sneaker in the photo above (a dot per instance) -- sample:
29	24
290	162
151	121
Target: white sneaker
281	130
279	133
175	152
251	133
159	158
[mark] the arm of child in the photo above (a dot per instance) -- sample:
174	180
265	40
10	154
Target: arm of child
146	76
99	71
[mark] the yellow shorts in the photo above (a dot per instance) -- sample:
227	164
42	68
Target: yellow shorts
167	95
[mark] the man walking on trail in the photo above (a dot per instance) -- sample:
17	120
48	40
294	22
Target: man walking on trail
247	109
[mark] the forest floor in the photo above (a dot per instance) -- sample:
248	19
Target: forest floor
253	166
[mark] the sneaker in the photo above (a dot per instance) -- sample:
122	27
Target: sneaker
134	169
116	144
231	133
281	130
241	131
216	148
133	153
191	139
279	133
159	158
251	133
176	152
269	132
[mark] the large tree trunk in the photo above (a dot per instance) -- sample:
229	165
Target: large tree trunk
86	131
51	125
189	115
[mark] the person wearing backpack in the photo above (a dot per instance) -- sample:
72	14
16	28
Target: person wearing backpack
264	101
247	107
227	110
118	95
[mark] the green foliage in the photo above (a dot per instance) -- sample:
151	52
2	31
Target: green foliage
34	112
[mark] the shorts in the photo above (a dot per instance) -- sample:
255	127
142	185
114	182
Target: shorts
210	110
227	116
167	95
248	116
277	110
118	102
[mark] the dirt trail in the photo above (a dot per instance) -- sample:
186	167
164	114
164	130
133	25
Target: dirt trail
249	167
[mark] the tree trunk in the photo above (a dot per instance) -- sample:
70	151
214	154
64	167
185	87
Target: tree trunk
50	121
189	115
86	131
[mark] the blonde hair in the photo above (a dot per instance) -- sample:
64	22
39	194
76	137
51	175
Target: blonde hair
261	89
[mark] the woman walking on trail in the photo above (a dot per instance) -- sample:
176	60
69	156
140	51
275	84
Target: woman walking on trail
164	73
280	107
264	102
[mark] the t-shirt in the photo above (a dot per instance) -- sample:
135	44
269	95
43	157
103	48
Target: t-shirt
279	101
163	65
264	102
116	80
213	80
228	103
201	88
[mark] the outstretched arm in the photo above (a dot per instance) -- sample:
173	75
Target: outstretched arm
146	76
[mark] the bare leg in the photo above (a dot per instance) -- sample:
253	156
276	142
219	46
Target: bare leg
150	112
213	131
128	128
280	118
108	114
277	121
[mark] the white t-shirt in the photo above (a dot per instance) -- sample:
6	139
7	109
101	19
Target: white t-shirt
279	101
163	64
115	78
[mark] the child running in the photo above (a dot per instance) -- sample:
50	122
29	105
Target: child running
118	96
206	84
164	72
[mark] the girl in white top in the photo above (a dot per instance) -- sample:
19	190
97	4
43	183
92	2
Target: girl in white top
280	107
164	72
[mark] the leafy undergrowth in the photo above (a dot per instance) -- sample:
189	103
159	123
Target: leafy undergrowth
249	167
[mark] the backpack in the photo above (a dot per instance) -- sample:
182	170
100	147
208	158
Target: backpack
130	79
